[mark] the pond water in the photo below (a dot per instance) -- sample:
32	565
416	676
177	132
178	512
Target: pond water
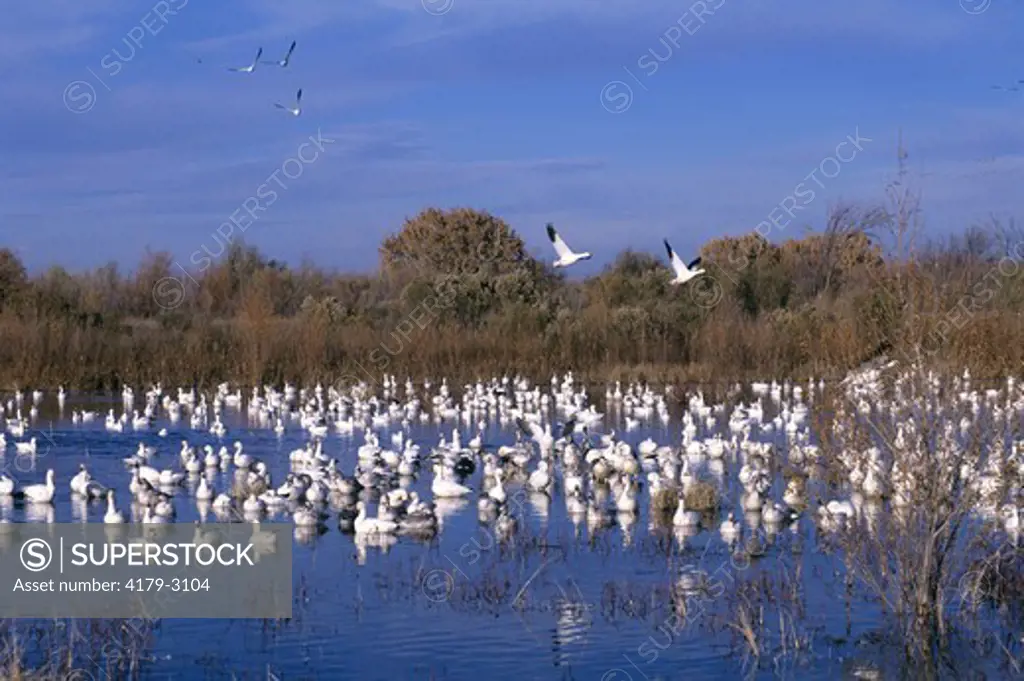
563	599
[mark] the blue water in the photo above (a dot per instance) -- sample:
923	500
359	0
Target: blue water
556	602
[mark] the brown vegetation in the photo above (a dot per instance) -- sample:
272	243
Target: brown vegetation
702	496
920	545
54	650
458	294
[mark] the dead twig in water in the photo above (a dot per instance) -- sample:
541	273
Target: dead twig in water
530	580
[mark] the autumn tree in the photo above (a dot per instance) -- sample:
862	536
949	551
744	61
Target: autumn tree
822	263
750	270
12	277
227	278
454	242
476	257
57	293
634	278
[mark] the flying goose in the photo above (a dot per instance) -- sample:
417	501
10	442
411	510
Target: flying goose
296	111
684	273
566	256
283	63
250	67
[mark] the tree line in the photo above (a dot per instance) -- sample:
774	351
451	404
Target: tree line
457	294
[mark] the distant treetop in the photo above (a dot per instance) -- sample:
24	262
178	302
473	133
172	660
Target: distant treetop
461	240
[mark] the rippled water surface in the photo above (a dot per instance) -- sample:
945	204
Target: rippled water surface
560	600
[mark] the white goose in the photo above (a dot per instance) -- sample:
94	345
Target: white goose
752	501
148	473
42	493
253	505
626	502
164	508
445	488
283	63
293	111
773	513
26	447
204	492
240	459
250	67
684	518
1011	518
305	516
151	518
540	479
169	478
684	272
365	525
497	492
419	515
193	465
79	484
112	516
566	256
729	528
792	495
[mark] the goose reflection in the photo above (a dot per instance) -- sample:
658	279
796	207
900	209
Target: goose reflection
573	620
39	513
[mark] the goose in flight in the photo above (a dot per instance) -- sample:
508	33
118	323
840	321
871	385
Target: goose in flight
283	63
566	257
684	272
296	111
250	67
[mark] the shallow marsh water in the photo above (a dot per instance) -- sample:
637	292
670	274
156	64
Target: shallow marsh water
559	601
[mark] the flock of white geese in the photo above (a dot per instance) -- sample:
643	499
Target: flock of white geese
734	451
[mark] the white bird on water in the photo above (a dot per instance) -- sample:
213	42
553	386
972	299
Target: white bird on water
26	447
566	256
684	272
297	110
251	67
41	494
112	516
283	63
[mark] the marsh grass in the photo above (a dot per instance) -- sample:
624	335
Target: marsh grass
702	496
57	650
664	502
767	618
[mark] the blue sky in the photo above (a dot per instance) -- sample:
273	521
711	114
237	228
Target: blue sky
494	104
